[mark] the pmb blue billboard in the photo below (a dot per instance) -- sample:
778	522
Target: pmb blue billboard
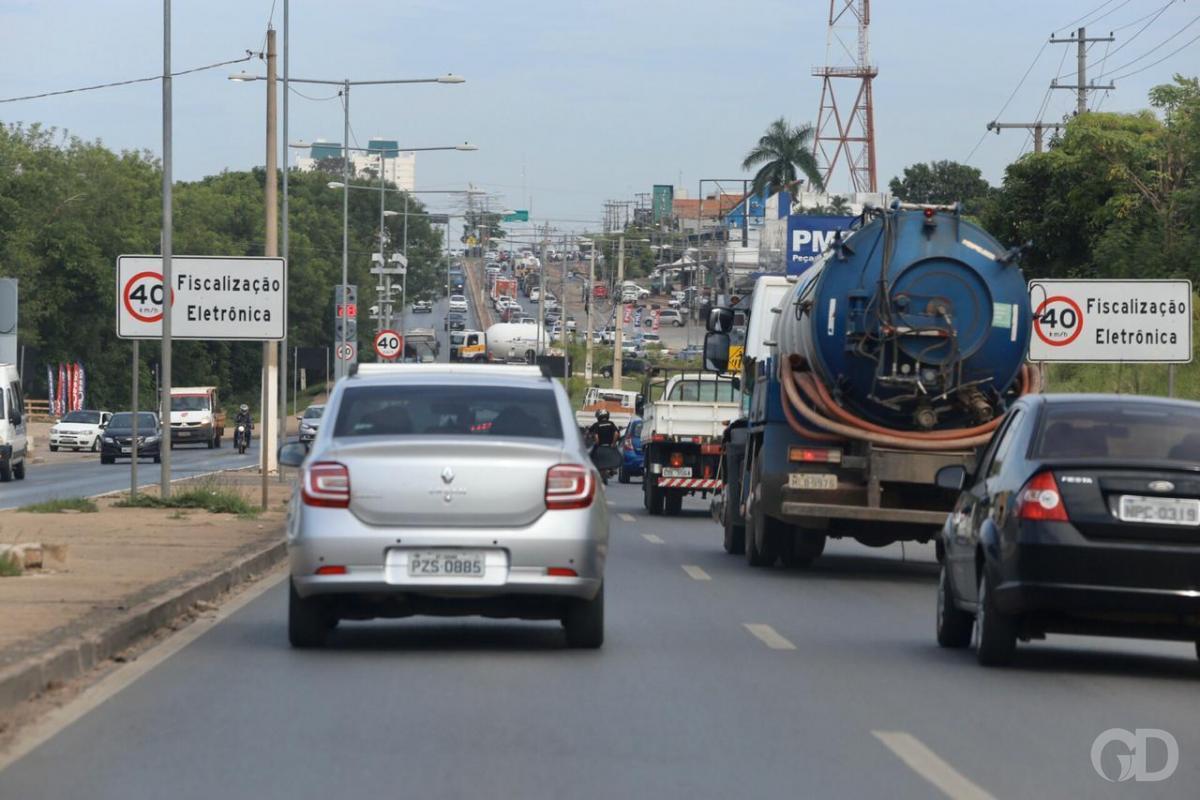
809	236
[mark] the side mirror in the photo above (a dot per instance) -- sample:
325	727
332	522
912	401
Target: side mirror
639	405
716	352
15	417
720	320
952	477
292	454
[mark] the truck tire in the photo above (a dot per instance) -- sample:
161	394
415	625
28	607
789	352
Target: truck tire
6	472
953	624
995	632
19	470
309	621
673	503
622	475
212	442
735	535
757	555
802	548
653	494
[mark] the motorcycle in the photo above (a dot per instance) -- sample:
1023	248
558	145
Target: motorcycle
241	439
607	459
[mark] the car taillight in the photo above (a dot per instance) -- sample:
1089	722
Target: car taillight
326	484
569	486
1040	500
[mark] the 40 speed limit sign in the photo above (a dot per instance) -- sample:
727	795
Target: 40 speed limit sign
388	344
1111	321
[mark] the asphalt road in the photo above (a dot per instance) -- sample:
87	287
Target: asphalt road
716	680
66	474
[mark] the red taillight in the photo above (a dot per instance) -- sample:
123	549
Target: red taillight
818	455
326	484
711	449
569	486
676	459
561	572
1040	500
331	570
658	437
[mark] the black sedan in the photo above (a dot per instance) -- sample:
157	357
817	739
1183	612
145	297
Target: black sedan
117	439
629	366
1082	517
455	321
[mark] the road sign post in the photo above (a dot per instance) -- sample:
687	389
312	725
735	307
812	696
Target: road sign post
345	323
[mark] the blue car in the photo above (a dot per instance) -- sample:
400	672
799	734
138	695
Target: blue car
630	444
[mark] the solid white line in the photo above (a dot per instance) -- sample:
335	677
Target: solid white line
63	717
769	636
696	573
930	766
652	538
626	517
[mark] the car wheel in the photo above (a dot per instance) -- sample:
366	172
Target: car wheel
622	475
107	460
803	548
6	472
678	323
995	632
654	496
95	444
673	504
19	470
953	624
584	622
309	620
53	448
212	443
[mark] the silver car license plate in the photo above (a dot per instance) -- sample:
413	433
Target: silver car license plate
812	480
677	472
446	564
1159	510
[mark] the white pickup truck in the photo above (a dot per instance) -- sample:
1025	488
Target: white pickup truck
620	404
683	422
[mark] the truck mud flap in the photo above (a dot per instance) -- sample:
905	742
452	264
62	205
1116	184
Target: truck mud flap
709	484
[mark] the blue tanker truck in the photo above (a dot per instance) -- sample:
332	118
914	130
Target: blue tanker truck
895	354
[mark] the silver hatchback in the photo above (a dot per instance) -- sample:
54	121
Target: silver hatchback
446	489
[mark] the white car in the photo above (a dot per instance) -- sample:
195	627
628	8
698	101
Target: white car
458	303
79	430
535	294
652	341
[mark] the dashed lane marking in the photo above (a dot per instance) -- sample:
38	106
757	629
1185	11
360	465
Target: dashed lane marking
930	766
769	636
652	538
627	517
696	573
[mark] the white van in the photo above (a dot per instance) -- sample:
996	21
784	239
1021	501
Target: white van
14	439
510	342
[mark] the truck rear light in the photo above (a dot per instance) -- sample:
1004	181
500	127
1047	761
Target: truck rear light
330	569
815	455
658	437
569	486
711	449
1040	500
676	459
326	484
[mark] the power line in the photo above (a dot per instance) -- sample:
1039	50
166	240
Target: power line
1110	11
1081	19
1139	19
1152	50
1184	46
333	96
1154	17
249	55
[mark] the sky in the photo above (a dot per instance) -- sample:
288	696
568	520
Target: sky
573	103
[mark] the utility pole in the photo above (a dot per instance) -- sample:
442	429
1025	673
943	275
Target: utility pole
164	400
619	316
590	300
1081	87
270	369
1038	128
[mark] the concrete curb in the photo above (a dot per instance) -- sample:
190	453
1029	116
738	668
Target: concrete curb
69	660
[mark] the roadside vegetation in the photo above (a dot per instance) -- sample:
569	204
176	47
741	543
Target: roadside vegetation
208	496
70	504
8	567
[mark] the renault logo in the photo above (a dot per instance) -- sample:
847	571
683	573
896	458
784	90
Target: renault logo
1161	486
448	476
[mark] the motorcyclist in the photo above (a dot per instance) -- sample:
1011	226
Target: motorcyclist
603	432
243	418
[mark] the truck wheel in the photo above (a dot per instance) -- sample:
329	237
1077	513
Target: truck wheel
802	547
953	624
995	632
756	554
212	443
19	470
735	535
309	621
673	503
654	496
6	472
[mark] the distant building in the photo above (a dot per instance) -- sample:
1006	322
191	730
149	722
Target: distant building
399	167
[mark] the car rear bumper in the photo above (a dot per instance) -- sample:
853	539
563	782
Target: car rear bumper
375	557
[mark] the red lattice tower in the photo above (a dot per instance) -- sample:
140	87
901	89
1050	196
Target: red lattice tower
846	131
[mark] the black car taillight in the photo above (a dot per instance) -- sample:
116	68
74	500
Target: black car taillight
1040	500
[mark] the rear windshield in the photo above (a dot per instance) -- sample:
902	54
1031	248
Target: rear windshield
448	411
703	391
1120	432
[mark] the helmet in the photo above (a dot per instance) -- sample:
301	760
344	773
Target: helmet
602	415
243	408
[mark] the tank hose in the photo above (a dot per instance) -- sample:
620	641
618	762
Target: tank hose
852	427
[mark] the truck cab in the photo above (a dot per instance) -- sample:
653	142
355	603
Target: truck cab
196	416
14	439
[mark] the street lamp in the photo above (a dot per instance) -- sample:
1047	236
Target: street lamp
345	85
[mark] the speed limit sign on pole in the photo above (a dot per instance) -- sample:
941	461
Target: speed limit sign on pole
346	351
388	344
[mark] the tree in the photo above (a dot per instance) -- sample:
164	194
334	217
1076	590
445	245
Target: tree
783	152
942	183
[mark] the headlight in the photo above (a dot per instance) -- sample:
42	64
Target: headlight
107	440
151	440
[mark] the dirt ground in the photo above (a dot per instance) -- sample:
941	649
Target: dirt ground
120	556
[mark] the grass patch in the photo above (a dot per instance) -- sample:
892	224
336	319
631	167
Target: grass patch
207	496
81	504
9	568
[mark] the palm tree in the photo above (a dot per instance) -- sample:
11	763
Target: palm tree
781	150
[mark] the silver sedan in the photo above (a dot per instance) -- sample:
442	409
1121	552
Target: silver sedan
446	489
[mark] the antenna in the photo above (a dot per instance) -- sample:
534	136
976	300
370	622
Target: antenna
847	129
